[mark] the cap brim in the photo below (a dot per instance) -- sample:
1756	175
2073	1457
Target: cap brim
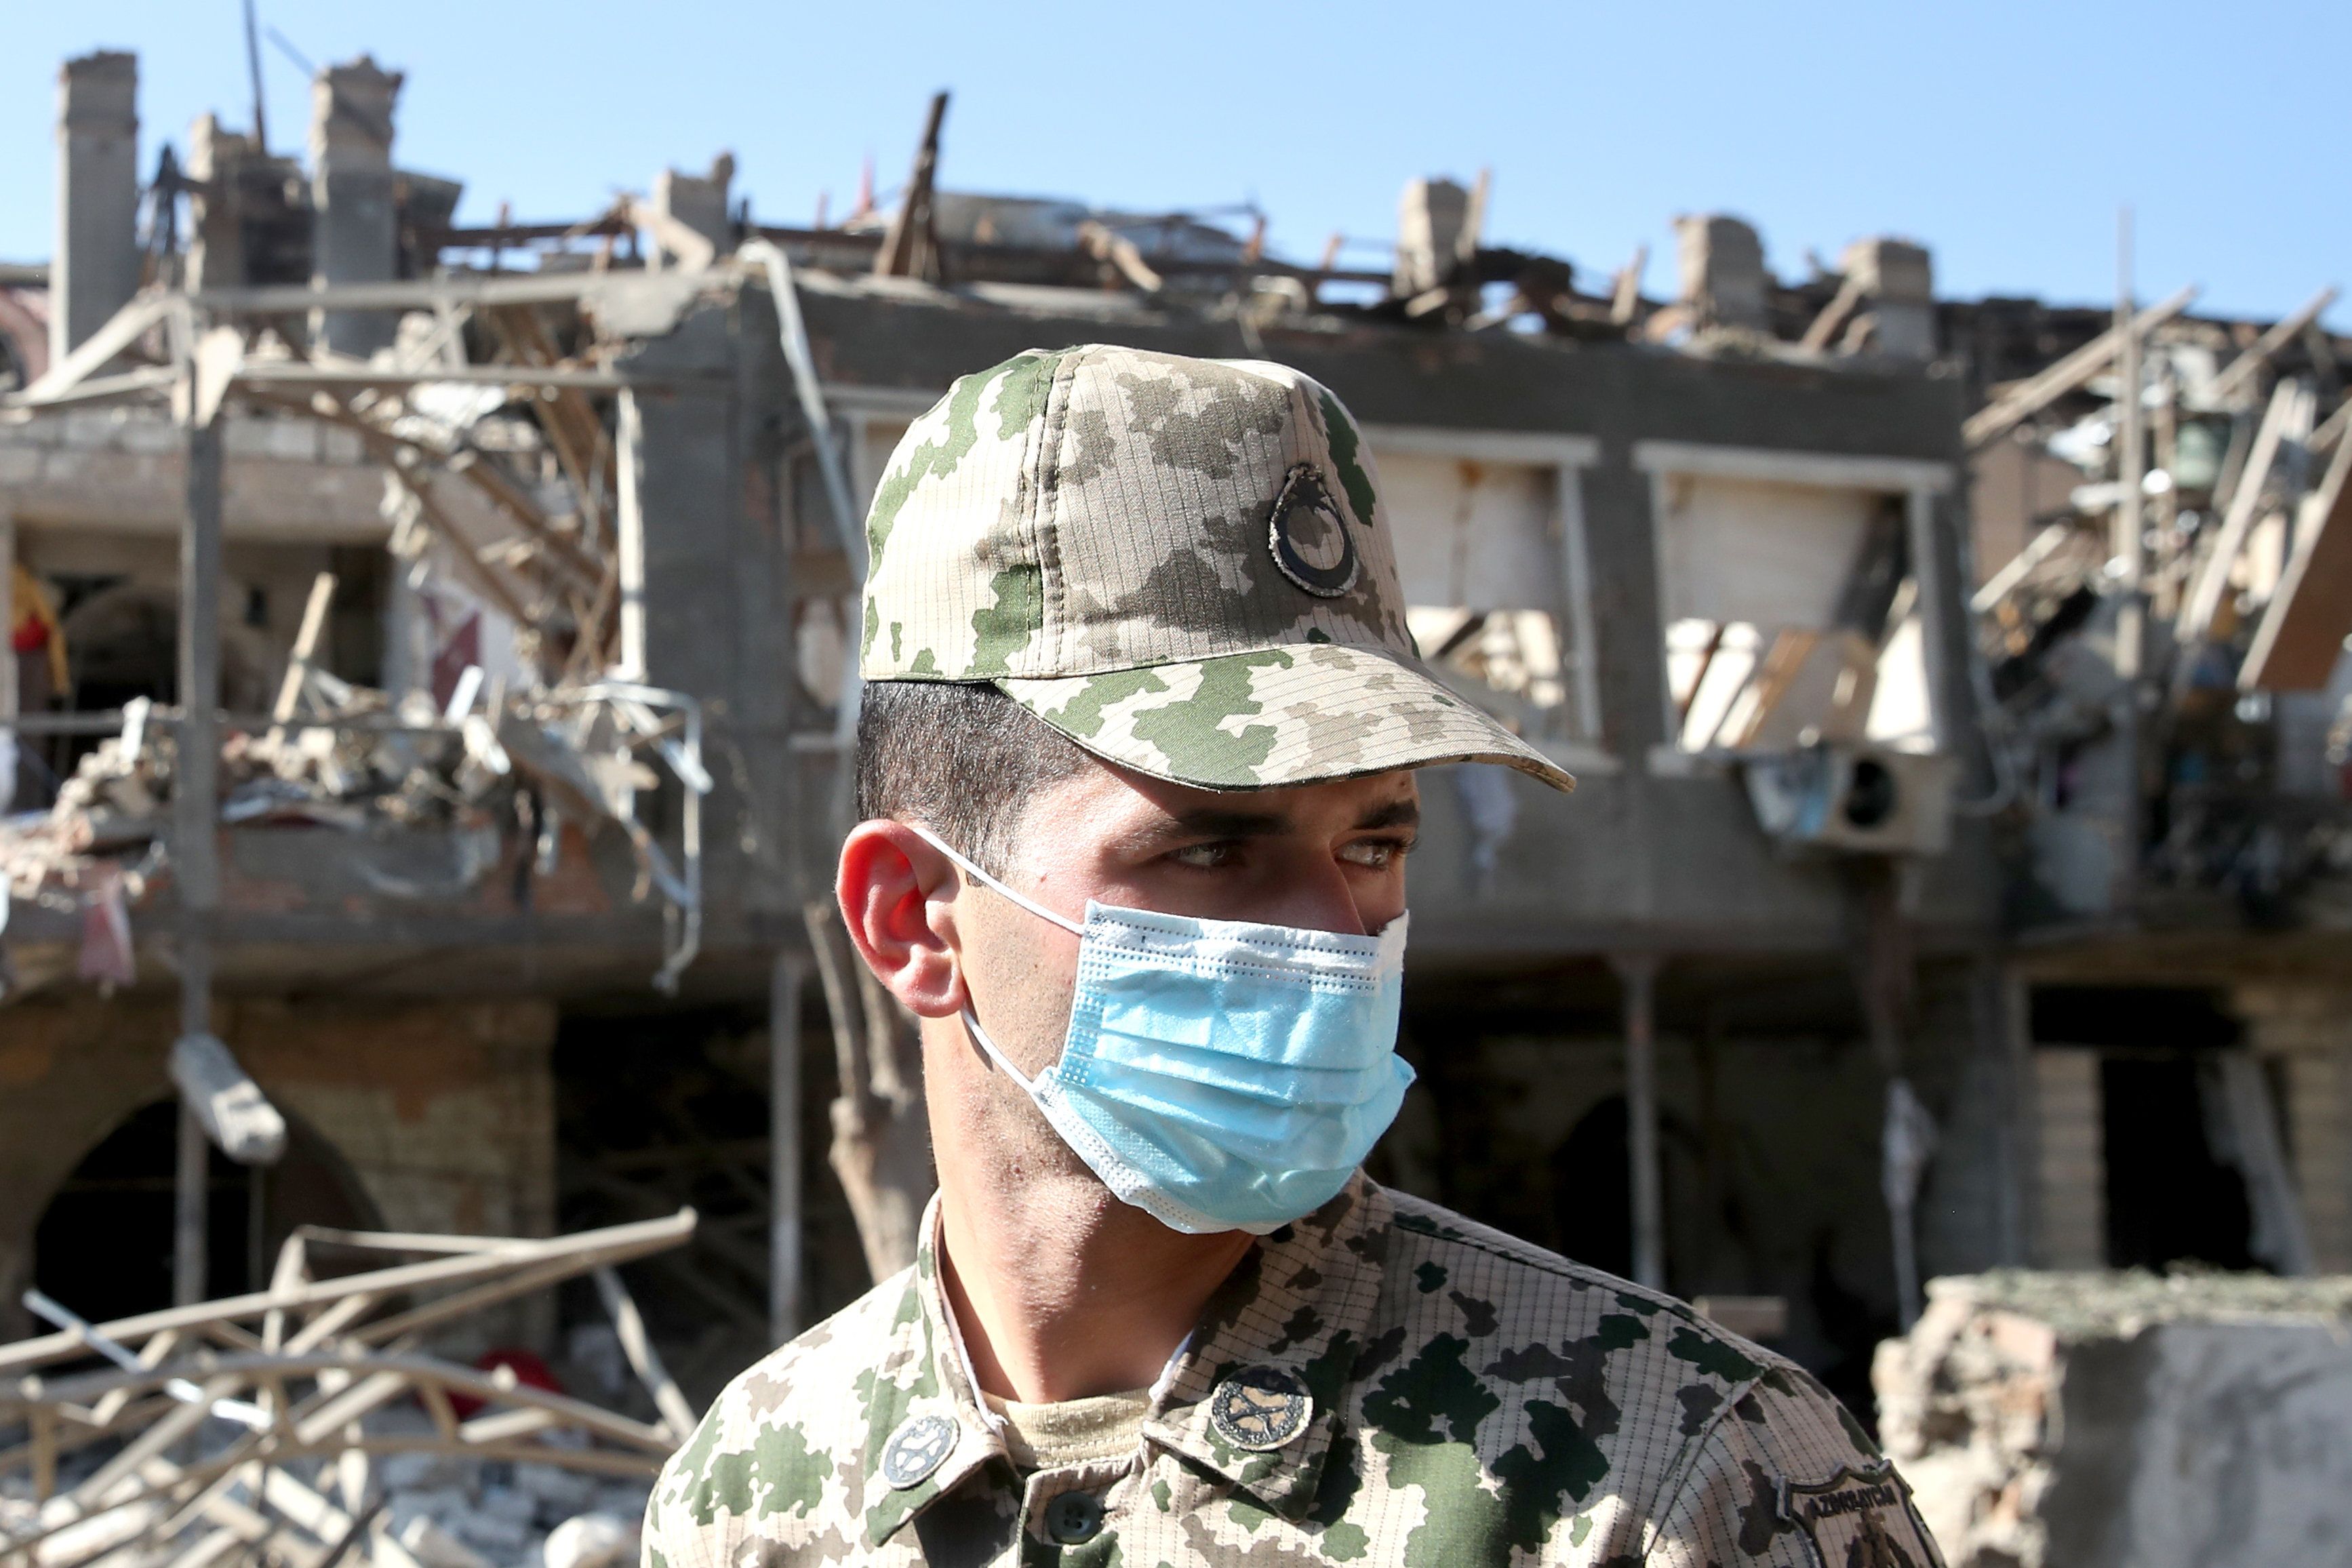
1277	717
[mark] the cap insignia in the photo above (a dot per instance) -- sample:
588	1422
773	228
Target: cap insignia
1308	535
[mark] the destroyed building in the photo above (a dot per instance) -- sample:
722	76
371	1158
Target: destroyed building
1889	934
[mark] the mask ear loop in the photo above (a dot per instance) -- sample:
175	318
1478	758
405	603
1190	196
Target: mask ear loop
980	1037
1023	899
971	1021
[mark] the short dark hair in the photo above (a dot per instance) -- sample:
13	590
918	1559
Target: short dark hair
959	757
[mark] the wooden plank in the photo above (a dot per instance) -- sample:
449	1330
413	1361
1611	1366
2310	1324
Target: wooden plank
2302	629
2280	420
371	1378
126	326
44	1431
911	244
1625	295
293	1269
2329	434
306	648
573	428
644	1359
695	252
1826	326
2241	371
294	373
2038	391
585	1251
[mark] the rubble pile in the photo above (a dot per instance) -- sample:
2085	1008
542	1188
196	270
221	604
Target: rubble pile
2078	1420
363	762
2163	655
311	1423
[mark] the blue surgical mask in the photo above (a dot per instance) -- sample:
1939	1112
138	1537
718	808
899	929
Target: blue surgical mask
1219	1075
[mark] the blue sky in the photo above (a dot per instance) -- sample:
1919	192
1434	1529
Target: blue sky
2004	135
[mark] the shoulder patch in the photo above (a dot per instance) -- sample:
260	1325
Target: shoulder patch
1862	1517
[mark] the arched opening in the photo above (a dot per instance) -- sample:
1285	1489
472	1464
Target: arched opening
126	639
1593	1189
103	1246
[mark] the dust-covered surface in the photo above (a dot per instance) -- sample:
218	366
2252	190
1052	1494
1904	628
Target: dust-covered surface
2120	1302
2125	1417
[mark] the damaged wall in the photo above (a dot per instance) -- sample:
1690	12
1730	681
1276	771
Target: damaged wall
443	1113
1518	1117
2106	1420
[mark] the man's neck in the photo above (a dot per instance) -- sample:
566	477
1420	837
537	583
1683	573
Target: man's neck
1062	1291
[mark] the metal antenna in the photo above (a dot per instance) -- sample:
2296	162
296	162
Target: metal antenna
253	69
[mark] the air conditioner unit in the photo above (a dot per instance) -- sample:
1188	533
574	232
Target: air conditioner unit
1854	797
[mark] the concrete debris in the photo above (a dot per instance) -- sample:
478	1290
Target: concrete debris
594	1541
237	1117
363	763
2169	626
2096	1419
357	1441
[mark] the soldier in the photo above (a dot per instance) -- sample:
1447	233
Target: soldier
1136	770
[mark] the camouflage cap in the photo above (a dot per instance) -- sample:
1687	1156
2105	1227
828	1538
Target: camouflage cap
1180	564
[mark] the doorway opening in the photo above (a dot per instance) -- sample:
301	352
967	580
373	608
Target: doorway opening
1593	1189
104	1245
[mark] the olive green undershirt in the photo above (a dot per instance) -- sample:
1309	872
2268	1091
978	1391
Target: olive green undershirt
1048	1437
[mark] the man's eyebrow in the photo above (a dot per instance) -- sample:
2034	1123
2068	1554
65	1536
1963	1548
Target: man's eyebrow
1221	822
1404	813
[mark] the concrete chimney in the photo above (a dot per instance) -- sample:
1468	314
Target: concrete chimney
1430	220
216	238
1898	279
96	268
1722	270
355	236
700	202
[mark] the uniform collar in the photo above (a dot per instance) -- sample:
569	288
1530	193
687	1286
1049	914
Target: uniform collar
923	1375
1296	1308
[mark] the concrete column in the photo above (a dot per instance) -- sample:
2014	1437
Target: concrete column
95	270
2307	1031
1722	270
629	526
196	809
1639	974
355	228
683	547
215	237
785	982
1971	1058
2071	1112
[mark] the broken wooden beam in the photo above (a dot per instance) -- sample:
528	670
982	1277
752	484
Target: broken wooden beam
2241	371
2038	391
2301	637
910	245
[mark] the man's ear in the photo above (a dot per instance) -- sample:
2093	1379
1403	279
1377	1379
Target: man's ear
889	885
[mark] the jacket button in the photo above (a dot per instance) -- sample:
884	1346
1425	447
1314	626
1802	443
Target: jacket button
1073	1518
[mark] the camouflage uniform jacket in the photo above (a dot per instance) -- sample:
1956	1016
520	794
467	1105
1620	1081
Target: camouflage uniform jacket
1382	1382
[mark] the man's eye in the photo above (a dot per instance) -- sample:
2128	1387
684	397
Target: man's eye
1203	857
1377	853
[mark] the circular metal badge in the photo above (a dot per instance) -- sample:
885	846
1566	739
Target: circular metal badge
1308	536
1260	1408
917	1449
